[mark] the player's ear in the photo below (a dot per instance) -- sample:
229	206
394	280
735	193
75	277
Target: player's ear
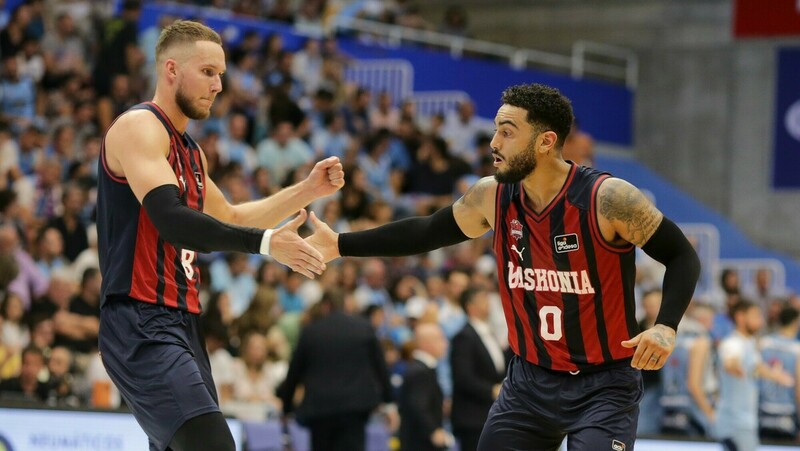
547	141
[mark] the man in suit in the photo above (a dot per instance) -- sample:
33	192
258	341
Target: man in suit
340	363
478	369
421	398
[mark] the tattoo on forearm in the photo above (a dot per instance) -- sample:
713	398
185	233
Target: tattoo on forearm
624	203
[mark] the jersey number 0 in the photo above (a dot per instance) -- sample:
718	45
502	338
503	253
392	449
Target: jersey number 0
548	314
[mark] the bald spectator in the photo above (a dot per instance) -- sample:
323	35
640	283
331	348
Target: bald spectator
372	290
461	129
421	399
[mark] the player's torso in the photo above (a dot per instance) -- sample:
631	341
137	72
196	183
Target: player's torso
779	351
135	261
567	293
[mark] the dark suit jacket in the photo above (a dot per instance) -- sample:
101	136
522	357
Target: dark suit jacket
420	406
341	364
474	377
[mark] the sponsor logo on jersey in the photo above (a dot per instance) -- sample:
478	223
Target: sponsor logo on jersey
516	229
566	243
198	177
537	279
616	445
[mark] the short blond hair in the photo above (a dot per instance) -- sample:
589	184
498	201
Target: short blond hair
184	32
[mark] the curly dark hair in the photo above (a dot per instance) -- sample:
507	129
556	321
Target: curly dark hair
547	108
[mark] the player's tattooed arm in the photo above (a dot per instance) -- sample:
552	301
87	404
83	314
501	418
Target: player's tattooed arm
475	208
632	215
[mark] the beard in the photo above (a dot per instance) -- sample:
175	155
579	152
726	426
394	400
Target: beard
188	109
519	166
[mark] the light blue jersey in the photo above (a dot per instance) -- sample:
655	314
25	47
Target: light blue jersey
778	404
681	412
737	412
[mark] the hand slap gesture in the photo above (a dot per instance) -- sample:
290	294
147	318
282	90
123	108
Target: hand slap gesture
288	248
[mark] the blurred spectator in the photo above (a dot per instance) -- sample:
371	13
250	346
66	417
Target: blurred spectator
289	293
356	112
234	147
341	365
332	139
77	326
50	251
578	147
261	314
372	289
15	334
43	333
118	44
255	378
778	404
283	152
281	12
421	399
436	172
478	367
461	129
17	95
60	384
741	366
650	413
376	163
30	282
70	225
222	363
234	275
763	292
15	31
307	66
65	51
10	359
455	21
688	379
27	386
384	114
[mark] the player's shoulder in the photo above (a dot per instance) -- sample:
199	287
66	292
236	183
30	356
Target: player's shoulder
139	125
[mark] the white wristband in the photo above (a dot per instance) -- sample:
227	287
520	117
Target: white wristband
265	241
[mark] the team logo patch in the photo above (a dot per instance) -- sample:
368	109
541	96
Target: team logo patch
516	229
566	243
617	445
198	177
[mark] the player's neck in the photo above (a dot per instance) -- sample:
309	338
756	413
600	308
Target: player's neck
170	108
546	181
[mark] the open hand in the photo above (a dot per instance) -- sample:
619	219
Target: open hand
325	178
653	347
288	248
324	240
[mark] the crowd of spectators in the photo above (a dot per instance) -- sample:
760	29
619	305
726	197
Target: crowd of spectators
69	68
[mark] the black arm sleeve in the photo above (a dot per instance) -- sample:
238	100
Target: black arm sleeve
188	228
669	246
408	236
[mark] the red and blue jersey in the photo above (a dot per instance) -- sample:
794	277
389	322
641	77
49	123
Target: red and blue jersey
134	260
568	294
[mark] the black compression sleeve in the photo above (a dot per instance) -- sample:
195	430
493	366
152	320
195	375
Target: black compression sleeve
408	236
188	228
669	246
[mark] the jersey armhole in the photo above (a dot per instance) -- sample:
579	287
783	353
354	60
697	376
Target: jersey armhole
497	211
595	222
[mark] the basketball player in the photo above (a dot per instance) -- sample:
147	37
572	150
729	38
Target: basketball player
564	236
156	210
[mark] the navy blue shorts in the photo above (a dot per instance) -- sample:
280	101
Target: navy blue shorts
157	358
537	408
